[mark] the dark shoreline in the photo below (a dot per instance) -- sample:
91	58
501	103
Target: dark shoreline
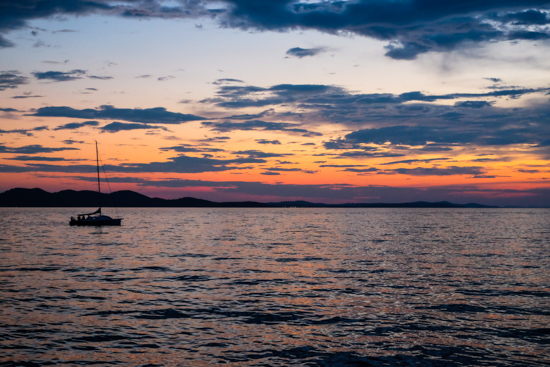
19	197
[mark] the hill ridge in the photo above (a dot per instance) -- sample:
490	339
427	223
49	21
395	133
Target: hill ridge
36	197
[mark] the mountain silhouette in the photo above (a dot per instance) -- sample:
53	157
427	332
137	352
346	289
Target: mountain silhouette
19	197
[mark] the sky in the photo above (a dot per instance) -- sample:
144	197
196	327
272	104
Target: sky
351	101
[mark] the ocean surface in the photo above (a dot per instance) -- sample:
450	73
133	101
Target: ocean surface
276	287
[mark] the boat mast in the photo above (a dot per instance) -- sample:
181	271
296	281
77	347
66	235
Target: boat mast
98	183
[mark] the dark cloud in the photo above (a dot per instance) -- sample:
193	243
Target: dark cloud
28	132
282	169
529	17
406	135
17	14
164	78
437	171
60	76
32	149
286	127
357	168
411	161
303	52
216	139
69	142
98	78
411	27
180	164
227	81
116	126
361	170
252	96
11	79
186	148
259	154
332	100
251	116
157	115
36	158
186	164
529	36
342	165
265	141
473	104
449	134
26	95
76	125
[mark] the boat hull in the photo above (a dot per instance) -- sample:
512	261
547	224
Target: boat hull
96	222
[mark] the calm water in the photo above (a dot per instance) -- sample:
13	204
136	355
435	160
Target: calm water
276	287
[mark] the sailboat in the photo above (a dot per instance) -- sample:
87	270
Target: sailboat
96	218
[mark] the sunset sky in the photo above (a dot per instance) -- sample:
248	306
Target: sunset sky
272	100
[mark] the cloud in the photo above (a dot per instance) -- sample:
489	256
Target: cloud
11	79
406	135
286	127
164	78
36	158
32	149
437	171
26	95
27	132
529	17
259	154
116	126
69	142
157	115
186	164
336	103
251	116
227	81
180	164
473	104
59	76
98	78
76	125
411	27
410	161
303	52
253	96
186	148
265	141
488	135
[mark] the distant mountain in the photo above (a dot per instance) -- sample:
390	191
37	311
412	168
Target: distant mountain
126	198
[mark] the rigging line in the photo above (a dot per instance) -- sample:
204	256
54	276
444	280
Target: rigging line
108	185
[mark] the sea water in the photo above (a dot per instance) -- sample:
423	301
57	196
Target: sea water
276	287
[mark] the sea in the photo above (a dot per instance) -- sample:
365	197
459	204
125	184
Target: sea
276	287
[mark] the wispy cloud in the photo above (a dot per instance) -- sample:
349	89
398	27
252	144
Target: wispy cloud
27	132
116	126
11	79
290	128
32	149
303	52
76	125
60	76
157	115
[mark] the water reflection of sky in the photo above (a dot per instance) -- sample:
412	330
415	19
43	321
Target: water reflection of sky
279	287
